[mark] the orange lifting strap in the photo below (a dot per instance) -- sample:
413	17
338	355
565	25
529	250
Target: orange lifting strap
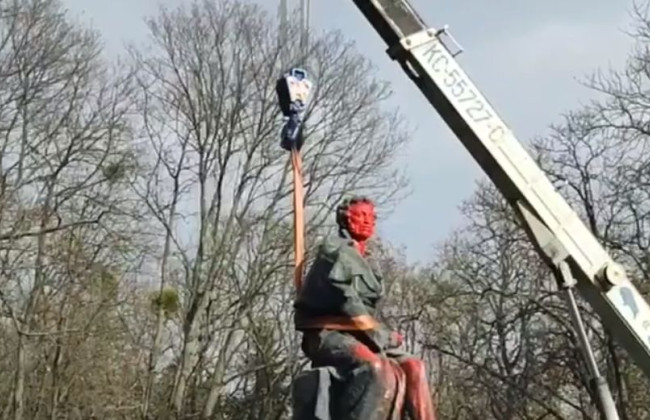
298	218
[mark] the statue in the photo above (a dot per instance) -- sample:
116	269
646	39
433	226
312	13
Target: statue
335	311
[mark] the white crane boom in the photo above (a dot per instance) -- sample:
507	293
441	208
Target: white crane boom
558	233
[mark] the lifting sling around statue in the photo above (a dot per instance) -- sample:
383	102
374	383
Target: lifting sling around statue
335	310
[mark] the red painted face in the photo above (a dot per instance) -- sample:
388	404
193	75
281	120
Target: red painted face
361	221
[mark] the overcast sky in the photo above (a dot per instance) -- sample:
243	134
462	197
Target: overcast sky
527	57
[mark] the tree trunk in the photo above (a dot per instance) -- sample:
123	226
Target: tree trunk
19	381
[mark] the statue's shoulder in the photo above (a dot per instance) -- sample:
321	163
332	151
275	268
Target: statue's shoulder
333	247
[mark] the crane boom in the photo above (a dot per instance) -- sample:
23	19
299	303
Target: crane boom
556	230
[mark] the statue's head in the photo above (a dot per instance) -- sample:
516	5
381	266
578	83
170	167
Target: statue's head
356	216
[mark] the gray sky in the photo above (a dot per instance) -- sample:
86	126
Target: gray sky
525	56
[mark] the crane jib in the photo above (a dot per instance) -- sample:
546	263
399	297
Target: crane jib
555	229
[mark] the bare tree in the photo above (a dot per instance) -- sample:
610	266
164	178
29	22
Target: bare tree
65	152
218	184
146	256
515	334
507	326
599	158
